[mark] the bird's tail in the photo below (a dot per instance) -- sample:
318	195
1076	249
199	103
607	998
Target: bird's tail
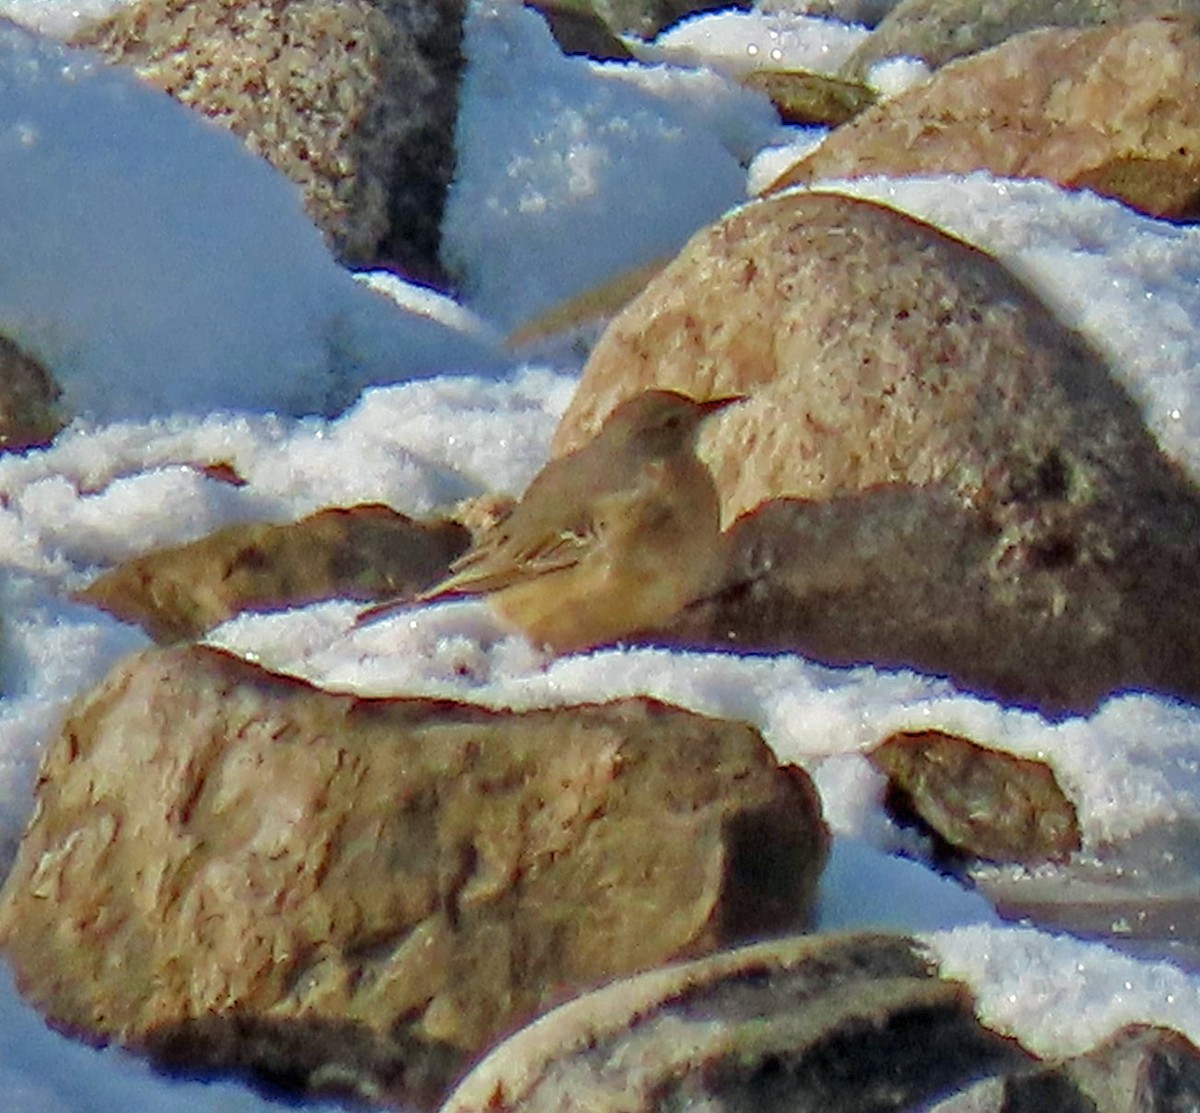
382	610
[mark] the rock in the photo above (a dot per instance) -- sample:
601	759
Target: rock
644	18
810	98
1113	109
583	315
30	415
236	869
1139	1070
836	1023
977	802
868	12
364	552
933	470
354	100
937	31
580	29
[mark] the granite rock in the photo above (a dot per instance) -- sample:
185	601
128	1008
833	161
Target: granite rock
930	469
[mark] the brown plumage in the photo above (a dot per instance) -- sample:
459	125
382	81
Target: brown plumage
612	539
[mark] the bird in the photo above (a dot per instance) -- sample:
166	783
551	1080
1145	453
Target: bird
609	540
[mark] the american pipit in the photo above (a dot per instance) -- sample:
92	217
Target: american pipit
609	540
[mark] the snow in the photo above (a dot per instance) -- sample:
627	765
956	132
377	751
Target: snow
139	249
737	42
197	319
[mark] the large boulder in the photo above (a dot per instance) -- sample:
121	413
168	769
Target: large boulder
233	869
930	469
1115	109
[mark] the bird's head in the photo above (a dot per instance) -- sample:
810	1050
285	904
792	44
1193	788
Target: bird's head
657	424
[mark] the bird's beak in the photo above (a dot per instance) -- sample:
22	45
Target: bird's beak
712	405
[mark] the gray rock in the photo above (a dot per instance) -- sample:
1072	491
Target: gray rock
1139	1070
842	1024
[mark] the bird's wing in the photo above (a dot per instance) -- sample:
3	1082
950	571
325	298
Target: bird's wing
510	556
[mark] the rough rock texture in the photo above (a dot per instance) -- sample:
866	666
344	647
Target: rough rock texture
939	30
233	868
354	100
952	479
1113	109
975	801
29	396
843	1024
365	552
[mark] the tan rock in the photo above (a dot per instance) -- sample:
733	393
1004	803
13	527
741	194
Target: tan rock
875	349
954	480
353	100
810	98
976	801
938	31
1114	109
365	893
838	1023
364	552
30	414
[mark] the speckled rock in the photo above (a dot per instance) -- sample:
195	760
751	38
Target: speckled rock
837	1023
30	414
364	552
932	470
1114	109
233	869
354	100
975	801
939	30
